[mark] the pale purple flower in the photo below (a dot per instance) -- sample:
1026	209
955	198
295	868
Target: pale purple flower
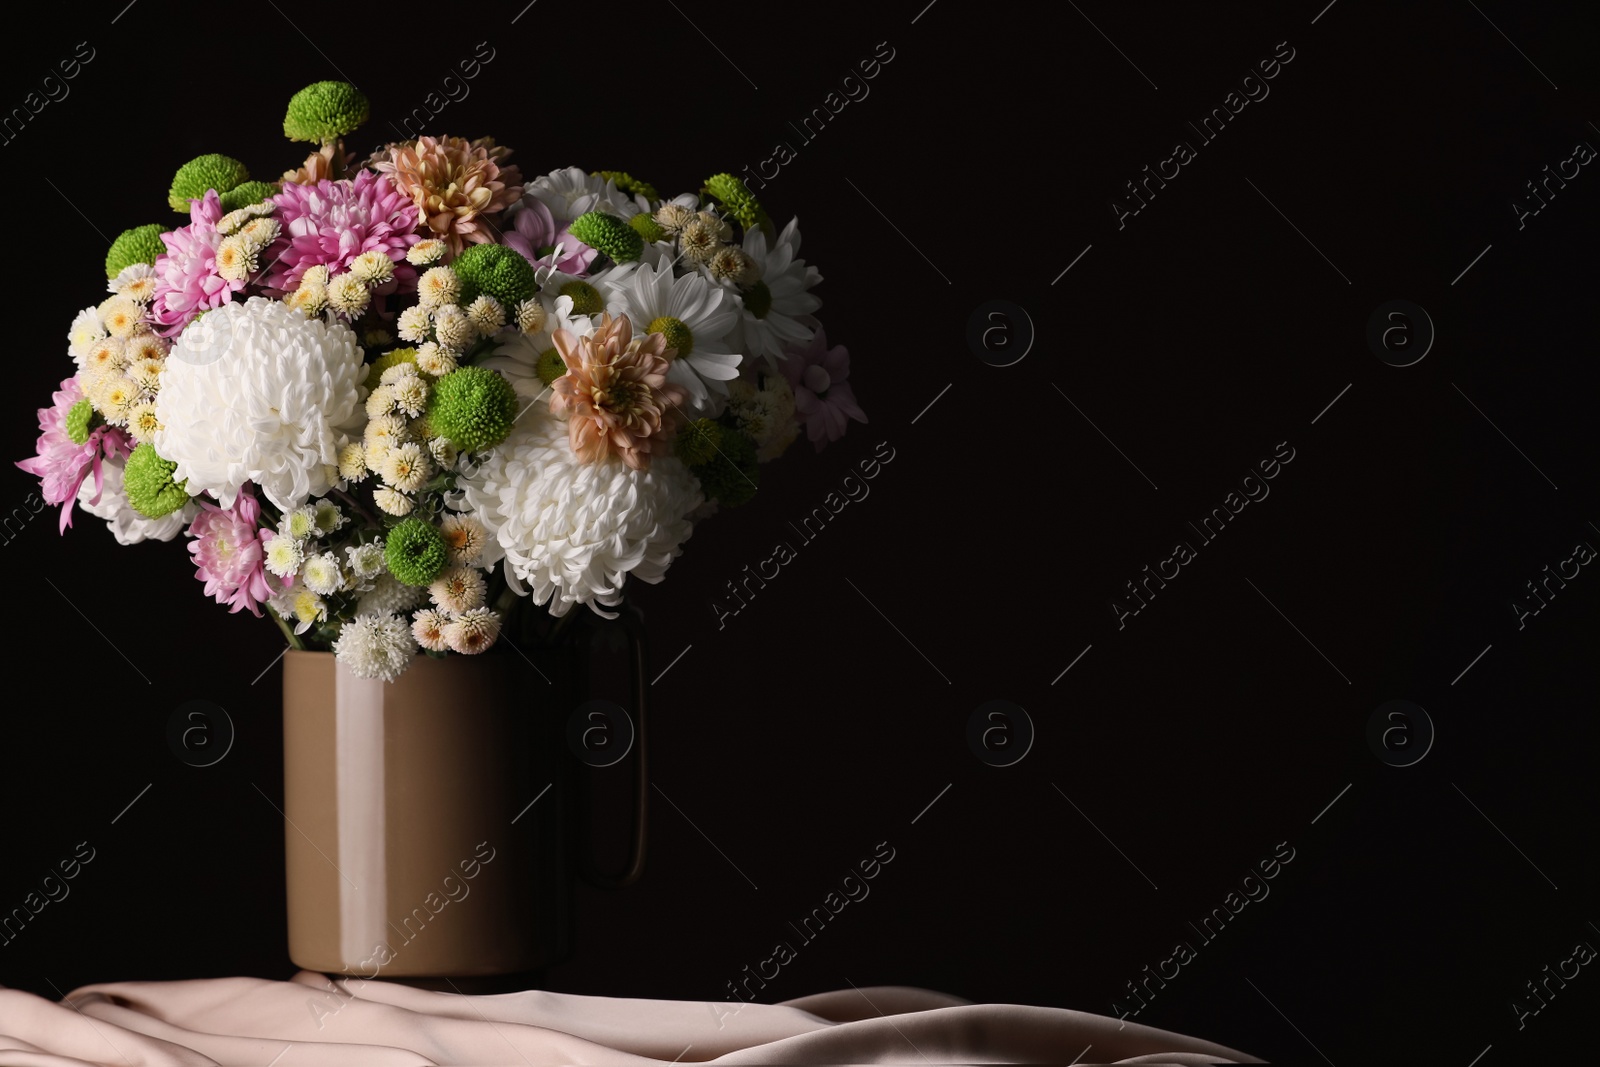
62	466
332	222
230	554
187	282
533	228
823	398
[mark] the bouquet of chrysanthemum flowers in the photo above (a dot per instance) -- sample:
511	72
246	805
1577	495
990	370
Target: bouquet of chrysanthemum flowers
385	398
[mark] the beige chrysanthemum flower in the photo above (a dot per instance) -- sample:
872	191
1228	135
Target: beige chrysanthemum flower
615	393
457	186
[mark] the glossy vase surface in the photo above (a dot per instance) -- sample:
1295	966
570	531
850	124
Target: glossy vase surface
424	832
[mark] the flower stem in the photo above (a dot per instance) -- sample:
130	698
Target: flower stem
289	635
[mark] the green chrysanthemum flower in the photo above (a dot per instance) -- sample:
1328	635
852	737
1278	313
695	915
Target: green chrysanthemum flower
142	244
415	551
609	234
736	199
79	421
247	194
213	171
757	299
376	368
549	367
648	229
679	337
731	475
629	184
698	442
497	270
147	479
325	111
472	408
586	299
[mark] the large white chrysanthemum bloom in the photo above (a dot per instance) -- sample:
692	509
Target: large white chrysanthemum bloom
572	532
258	392
127	525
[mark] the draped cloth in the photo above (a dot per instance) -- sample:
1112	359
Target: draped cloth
314	1021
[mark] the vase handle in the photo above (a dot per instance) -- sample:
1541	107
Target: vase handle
639	661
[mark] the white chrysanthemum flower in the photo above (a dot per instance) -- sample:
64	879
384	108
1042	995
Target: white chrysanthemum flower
366	561
444	453
127	525
309	300
438	286
299	523
353	462
410	394
390	594
787	282
392	502
530	315
308	608
255	392
487	315
407	467
86	330
427	626
136	281
380	401
375	646
426	251
458	589
329	517
413	324
435	361
349	295
121	316
322	574
142	421
372	267
472	631
284	556
694	313
465	537
574	531
673	217
236	258
452	327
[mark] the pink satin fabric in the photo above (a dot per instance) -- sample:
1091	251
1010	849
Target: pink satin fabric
311	1021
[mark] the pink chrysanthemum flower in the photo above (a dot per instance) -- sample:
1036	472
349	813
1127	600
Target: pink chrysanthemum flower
330	223
61	466
187	281
823	399
534	228
229	553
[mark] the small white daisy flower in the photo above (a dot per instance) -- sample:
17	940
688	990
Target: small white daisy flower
444	453
393	503
142	421
407	467
353	462
376	646
366	561
435	361
424	252
329	517
373	268
121	316
322	574
380	401
410	395
284	556
465	537
413	324
236	258
438	286
473	631
299	523
458	589
348	295
427	626
452	327
487	315
308	608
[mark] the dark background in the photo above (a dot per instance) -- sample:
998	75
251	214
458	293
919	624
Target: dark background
826	716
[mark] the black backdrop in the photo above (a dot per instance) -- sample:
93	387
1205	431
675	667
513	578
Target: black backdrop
1219	321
